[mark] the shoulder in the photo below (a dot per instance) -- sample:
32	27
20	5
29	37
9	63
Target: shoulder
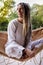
13	23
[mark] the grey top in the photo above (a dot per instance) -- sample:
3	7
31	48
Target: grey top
15	34
14	45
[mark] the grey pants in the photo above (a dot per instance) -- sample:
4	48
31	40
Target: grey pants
15	50
36	43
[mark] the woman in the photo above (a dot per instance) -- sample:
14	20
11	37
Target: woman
19	34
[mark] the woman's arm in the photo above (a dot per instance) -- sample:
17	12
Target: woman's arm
12	48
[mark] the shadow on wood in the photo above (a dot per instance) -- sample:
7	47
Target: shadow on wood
36	34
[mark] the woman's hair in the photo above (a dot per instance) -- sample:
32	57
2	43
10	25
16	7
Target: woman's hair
26	21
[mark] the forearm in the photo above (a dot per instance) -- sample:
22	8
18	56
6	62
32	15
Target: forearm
14	50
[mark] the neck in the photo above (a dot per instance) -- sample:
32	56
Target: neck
20	20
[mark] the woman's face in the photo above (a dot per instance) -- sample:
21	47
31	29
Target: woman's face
20	11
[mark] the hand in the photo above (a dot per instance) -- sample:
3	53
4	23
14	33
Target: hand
33	52
30	53
24	54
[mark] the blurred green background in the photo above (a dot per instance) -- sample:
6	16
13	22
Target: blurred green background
8	12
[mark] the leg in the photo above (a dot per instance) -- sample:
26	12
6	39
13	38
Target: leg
34	46
37	43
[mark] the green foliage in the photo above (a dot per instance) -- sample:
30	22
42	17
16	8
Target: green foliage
3	24
12	16
4	11
8	4
37	16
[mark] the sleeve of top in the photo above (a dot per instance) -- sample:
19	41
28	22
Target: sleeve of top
12	48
